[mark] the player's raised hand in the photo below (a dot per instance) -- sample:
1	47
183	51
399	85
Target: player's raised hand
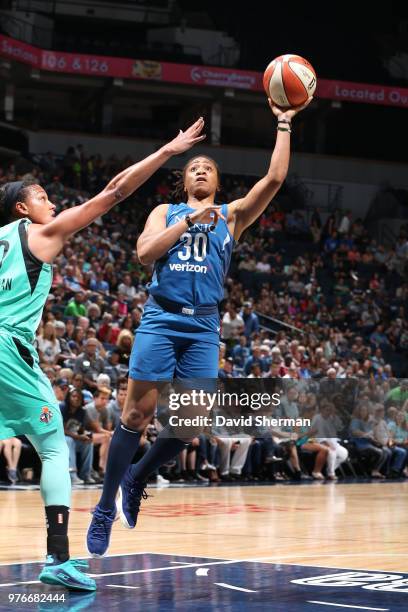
288	113
210	213
185	140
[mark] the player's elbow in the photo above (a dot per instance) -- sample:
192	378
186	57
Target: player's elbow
145	260
144	256
113	194
277	179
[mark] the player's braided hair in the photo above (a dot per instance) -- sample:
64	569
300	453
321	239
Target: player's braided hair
7	202
179	193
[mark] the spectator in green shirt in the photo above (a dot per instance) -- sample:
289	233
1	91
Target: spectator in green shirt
398	394
76	308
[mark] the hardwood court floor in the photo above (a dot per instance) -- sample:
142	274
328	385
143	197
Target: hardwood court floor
356	526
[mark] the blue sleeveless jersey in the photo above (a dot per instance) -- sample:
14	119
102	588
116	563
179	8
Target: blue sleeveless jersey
192	272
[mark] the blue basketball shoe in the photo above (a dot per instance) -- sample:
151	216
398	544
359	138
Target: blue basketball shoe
99	531
128	501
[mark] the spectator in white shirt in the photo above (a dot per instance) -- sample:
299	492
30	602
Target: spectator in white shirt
127	288
326	425
232	324
263	266
345	224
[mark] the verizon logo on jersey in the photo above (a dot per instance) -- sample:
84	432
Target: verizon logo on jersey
188	267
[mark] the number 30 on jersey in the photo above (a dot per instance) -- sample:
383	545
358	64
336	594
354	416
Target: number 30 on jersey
195	244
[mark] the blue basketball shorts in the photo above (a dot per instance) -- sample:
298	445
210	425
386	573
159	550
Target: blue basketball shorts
169	346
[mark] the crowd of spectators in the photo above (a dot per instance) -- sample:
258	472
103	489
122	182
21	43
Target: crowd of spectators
310	298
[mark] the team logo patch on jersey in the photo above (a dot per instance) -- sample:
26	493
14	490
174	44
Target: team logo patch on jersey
46	415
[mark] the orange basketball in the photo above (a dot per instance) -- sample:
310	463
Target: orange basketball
289	80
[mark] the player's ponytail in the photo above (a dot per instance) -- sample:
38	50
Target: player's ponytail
10	194
178	193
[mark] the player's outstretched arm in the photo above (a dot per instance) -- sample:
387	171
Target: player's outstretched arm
246	210
46	241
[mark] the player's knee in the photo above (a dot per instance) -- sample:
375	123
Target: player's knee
136	419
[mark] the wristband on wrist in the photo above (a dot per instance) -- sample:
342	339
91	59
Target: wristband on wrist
280	129
189	222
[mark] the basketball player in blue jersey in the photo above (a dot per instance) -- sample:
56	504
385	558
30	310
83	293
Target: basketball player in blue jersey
29	241
191	245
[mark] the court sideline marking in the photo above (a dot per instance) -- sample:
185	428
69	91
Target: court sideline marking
327	603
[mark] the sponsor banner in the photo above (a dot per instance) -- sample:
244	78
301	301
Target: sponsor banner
362	92
208	76
20	52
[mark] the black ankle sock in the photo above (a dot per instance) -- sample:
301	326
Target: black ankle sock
57	532
122	449
163	449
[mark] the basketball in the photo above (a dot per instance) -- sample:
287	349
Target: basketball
289	80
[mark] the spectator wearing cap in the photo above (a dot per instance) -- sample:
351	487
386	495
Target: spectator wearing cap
89	364
60	387
227	371
76	308
251	320
98	414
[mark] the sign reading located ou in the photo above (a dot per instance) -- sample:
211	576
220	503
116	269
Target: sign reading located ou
209	76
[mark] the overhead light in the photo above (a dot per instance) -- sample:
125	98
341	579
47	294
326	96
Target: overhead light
35	74
118	82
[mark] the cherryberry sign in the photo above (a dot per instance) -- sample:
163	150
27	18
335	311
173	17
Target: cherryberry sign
205	76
